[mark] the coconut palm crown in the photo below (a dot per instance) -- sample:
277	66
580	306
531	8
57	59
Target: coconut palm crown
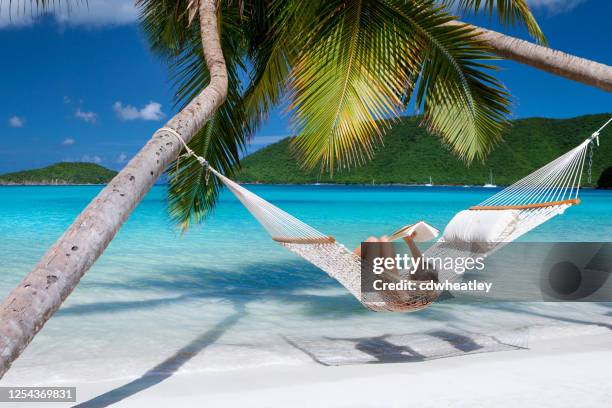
344	70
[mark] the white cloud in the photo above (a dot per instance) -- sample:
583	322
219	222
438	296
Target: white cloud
550	7
122	158
554	6
16	122
91	159
97	13
90	117
93	13
66	100
68	141
151	111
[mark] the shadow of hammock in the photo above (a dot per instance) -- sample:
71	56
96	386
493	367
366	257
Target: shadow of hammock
406	348
168	367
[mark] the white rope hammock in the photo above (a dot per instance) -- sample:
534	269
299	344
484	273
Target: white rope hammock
531	201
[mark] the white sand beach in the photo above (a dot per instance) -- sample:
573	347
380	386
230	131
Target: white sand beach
541	365
566	371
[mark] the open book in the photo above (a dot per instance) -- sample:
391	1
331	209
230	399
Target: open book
420	232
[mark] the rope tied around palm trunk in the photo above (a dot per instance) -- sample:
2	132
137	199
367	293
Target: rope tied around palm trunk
203	162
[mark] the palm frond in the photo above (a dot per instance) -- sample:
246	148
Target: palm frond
269	56
166	25
192	193
461	101
509	13
352	68
360	65
349	78
37	8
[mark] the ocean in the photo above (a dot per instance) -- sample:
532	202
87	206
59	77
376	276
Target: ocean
224	296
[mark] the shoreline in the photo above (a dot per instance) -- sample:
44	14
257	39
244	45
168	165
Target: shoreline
50	184
301	184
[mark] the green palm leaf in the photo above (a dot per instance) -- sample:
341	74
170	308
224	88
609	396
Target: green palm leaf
348	70
462	103
360	65
509	13
268	56
351	75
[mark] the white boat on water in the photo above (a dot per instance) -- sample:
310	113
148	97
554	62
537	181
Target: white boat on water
430	184
490	184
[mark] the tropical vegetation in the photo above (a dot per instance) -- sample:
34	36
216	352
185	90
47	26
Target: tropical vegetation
410	156
61	173
344	71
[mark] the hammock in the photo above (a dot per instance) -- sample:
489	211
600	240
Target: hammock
481	229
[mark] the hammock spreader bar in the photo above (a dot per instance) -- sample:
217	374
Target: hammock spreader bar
289	240
572	201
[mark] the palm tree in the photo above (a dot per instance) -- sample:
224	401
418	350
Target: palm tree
552	61
348	70
42	291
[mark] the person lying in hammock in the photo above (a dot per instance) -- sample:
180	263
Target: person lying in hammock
401	300
386	250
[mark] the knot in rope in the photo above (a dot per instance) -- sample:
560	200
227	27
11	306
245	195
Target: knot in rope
595	136
190	152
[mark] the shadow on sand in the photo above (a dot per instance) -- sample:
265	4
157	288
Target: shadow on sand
284	282
288	283
168	367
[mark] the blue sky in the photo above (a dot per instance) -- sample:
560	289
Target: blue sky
82	86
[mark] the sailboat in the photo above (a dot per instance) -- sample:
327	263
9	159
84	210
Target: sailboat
490	183
430	184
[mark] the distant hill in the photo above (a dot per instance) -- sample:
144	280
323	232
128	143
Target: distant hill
60	173
410	156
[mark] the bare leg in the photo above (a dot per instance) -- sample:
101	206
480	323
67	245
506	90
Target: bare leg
416	253
384	249
358	249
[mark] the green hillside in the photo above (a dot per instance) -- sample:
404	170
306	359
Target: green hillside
411	155
61	173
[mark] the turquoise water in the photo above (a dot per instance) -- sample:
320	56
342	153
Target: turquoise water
228	293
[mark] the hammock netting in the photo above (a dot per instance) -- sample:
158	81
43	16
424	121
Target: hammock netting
533	200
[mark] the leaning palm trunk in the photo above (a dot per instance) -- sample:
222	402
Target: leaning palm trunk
555	62
42	291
